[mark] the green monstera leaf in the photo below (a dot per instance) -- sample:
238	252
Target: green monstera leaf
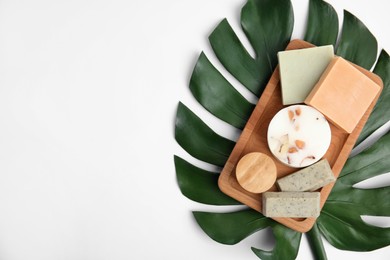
268	26
322	18
340	221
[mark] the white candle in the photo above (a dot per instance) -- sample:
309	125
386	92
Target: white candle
299	136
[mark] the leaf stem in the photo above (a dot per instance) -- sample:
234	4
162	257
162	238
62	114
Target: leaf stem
316	245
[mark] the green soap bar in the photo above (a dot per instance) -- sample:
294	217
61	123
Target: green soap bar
291	204
308	179
300	70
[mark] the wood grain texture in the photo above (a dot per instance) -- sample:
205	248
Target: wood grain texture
256	172
254	139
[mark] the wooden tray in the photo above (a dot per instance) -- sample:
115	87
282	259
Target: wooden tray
254	139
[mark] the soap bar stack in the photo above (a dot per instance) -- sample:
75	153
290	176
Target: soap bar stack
297	197
300	70
327	83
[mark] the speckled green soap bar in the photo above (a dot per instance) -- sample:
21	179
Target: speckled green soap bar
291	204
308	179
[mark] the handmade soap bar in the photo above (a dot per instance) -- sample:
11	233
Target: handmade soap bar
300	70
291	204
298	136
308	179
343	94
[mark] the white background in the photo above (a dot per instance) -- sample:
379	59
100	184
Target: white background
88	96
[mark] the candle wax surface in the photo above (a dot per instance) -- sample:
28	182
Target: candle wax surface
298	136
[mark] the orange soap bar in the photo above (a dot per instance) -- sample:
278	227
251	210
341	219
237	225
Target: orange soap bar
343	94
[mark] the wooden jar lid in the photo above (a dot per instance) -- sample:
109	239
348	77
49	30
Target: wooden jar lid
256	172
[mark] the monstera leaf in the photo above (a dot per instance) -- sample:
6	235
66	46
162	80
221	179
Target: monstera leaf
268	26
340	220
